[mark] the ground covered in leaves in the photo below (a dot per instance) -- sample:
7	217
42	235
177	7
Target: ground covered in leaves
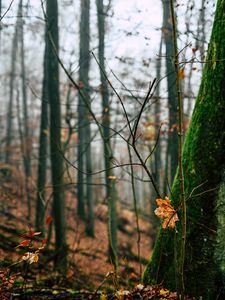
26	274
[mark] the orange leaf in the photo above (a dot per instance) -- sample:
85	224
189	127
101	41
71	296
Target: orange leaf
181	74
43	242
24	243
31	233
48	220
111	177
166	212
194	50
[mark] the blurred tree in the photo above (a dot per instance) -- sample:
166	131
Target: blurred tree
9	121
84	128
26	138
201	35
157	112
0	21
204	163
157	165
43	142
55	133
172	152
108	154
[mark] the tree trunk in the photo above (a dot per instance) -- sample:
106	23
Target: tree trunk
157	152
83	81
9	124
157	165
55	135
108	156
0	21
172	95
201	36
84	134
203	162
26	136
43	142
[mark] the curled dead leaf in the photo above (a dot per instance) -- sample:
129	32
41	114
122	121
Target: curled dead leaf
30	257
166	212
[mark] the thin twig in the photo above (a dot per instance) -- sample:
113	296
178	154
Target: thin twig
8	9
133	133
135	210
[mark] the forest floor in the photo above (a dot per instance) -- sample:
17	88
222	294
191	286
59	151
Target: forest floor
90	274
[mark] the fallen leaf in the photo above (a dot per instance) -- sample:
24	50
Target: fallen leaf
164	292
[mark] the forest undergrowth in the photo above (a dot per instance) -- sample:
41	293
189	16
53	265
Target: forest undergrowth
27	257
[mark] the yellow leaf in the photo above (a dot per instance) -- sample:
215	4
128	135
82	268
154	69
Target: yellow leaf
46	132
103	297
111	177
31	257
164	292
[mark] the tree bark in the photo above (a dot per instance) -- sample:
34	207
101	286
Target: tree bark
172	95
26	142
203	162
84	133
108	155
43	143
55	135
9	124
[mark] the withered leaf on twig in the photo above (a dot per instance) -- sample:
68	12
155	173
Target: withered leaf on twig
166	212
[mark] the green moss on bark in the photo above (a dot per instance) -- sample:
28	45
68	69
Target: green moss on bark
203	161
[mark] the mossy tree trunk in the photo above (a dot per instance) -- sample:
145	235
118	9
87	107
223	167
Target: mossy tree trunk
203	162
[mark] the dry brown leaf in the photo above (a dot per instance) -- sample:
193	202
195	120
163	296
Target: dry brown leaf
31	257
166	212
181	74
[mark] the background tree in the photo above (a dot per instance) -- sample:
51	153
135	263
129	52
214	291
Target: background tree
55	133
9	125
203	162
172	151
26	139
108	154
43	142
84	129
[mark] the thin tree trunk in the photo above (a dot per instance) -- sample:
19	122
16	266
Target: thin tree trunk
157	153
20	127
84	137
201	31
0	21
43	143
172	96
9	124
55	135
108	155
26	136
83	81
